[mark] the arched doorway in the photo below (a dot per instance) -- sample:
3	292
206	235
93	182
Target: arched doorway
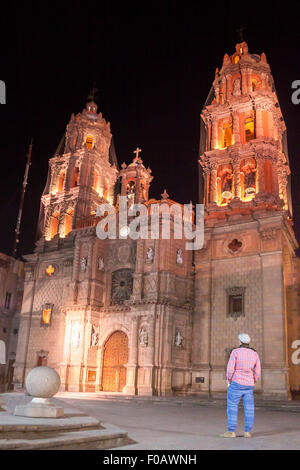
114	359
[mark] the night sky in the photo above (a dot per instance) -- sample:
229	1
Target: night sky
153	63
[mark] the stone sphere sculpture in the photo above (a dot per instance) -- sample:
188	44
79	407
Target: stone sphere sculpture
42	382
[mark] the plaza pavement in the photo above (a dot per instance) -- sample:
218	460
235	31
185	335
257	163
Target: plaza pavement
184	424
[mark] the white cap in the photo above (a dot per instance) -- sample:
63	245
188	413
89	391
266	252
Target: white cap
244	338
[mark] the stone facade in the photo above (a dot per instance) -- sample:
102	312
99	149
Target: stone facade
147	316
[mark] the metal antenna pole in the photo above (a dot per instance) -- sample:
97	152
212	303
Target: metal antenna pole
17	229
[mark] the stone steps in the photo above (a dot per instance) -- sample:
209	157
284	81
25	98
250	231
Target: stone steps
103	437
74	430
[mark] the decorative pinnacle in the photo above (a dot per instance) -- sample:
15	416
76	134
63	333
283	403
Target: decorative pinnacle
164	195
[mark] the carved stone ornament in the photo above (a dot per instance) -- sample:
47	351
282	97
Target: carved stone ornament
237	87
50	270
122	284
235	245
268	234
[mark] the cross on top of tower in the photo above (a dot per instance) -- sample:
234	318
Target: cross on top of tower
137	151
93	92
239	31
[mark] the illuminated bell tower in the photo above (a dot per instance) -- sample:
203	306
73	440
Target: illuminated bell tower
244	157
244	272
135	180
82	174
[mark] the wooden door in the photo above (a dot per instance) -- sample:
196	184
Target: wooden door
114	360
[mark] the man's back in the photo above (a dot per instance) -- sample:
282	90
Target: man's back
243	366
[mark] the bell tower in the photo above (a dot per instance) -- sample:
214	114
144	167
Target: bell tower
244	158
244	271
135	180
82	173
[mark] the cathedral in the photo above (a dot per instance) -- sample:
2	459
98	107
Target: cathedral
147	316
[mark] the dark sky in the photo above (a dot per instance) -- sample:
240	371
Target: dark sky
153	63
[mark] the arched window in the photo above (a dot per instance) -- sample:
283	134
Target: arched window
249	128
75	181
89	142
68	221
227	134
54	224
236	59
61	181
253	84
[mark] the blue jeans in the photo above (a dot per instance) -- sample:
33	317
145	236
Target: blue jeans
234	393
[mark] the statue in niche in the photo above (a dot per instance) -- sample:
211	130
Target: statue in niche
94	336
143	192
83	264
130	190
226	183
143	337
249	180
150	255
236	87
179	256
100	264
178	339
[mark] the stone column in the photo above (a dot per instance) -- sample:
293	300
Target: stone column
236	180
259	131
260	174
275	183
132	365
148	367
66	355
201	336
99	372
213	188
274	361
166	373
270	125
249	82
228	86
215	136
236	128
244	73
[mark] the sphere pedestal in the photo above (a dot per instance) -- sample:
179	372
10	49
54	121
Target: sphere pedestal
42	383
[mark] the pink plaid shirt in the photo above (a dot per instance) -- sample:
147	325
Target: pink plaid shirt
243	366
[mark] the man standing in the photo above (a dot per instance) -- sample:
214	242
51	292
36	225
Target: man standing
243	371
